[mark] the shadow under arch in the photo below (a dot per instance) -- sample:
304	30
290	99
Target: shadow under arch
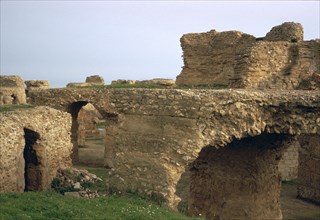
240	180
74	109
34	162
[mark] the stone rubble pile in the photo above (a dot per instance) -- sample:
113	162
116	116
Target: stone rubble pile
77	179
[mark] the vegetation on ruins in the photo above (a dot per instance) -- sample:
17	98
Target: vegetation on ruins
7	108
156	86
53	205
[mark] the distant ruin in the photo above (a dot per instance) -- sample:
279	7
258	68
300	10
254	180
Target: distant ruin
280	60
12	90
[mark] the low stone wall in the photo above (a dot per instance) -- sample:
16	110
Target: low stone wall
309	168
34	144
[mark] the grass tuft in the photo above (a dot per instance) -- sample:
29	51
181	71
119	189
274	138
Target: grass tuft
7	108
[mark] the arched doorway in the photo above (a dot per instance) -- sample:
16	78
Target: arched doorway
33	156
240	180
87	133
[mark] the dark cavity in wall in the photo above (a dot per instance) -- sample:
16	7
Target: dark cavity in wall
32	173
74	109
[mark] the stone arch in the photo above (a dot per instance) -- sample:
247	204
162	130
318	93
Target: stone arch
240	180
34	161
74	109
110	118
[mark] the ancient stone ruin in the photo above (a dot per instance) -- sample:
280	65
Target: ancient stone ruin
37	84
94	80
153	138
12	90
280	60
34	144
214	153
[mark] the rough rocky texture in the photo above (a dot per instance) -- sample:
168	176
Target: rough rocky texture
123	81
281	60
278	65
309	168
158	81
209	58
34	144
87	119
37	84
76	84
240	181
288	31
167	128
288	165
162	82
95	80
12	90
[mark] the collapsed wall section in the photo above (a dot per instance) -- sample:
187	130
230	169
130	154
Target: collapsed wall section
34	141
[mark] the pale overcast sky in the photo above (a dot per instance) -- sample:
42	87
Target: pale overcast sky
65	41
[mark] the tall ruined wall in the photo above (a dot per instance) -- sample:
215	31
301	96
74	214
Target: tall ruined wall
50	137
209	58
278	65
157	133
281	60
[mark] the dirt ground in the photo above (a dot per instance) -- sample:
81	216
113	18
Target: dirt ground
296	209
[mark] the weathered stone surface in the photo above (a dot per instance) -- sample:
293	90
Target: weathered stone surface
281	60
95	80
288	31
309	168
76	84
162	82
37	84
34	143
278	65
152	135
123	81
209	58
12	90
288	165
240	181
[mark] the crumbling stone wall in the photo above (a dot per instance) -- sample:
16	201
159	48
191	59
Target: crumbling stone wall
166	129
12	90
309	168
281	60
37	84
209	58
34	144
94	80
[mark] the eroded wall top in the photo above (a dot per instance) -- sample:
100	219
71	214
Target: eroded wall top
280	60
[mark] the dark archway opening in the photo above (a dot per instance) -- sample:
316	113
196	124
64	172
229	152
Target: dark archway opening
240	180
74	109
32	171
